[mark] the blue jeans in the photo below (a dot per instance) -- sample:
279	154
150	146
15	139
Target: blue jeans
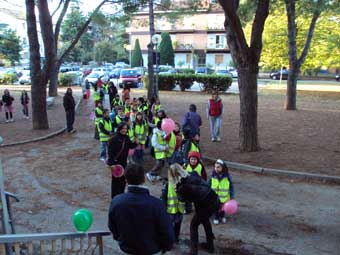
103	149
215	126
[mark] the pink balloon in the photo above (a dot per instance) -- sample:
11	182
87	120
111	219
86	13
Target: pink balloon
117	171
230	207
131	152
168	125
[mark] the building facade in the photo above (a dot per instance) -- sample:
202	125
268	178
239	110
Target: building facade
198	39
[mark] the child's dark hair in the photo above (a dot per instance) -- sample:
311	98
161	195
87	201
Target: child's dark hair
225	168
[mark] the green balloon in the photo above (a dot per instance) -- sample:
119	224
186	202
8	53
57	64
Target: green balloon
82	220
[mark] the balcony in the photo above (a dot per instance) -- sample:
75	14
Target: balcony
217	46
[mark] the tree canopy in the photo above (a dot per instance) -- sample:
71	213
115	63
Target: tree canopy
137	58
166	51
10	44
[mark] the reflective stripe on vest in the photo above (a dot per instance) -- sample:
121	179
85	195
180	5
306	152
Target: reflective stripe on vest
118	120
158	153
116	102
99	112
198	169
221	187
139	132
127	109
157	107
108	127
173	204
172	145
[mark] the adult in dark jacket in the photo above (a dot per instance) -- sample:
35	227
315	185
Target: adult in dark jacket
192	188
118	149
69	105
191	121
138	221
112	93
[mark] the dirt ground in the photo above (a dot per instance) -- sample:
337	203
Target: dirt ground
53	178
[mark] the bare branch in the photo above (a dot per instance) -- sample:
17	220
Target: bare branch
60	20
60	2
80	32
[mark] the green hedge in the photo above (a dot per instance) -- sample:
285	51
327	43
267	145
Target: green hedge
209	82
185	70
8	78
67	79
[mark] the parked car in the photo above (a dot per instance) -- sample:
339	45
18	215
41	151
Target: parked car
25	78
121	65
93	77
337	77
276	75
204	70
77	76
170	71
223	72
102	70
129	77
233	72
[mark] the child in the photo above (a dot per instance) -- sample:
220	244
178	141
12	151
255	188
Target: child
194	164
98	113
116	101
156	106
141	132
221	182
24	101
190	144
125	93
7	100
174	207
119	117
176	157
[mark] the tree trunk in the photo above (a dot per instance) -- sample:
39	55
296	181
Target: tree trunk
151	88
247	81
39	111
53	86
38	88
290	103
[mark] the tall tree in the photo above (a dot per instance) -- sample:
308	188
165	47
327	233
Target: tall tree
166	51
10	45
151	89
137	58
104	52
308	8
246	59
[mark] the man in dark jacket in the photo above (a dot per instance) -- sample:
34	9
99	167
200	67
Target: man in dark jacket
191	121
69	106
138	221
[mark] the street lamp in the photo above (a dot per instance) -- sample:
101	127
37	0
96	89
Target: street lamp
156	40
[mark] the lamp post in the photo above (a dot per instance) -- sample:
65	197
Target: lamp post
156	40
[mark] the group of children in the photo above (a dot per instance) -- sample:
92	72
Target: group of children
144	121
6	102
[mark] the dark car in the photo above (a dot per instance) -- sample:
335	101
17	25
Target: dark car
337	77
204	70
223	72
277	75
129	77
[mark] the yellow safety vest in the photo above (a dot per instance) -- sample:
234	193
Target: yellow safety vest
118	120
127	109
131	134
142	108
140	133
172	145
157	107
157	120
173	204
158	153
99	112
96	96
221	187
116	102
108	127
198	169
194	147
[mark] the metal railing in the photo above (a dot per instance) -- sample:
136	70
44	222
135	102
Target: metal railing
53	243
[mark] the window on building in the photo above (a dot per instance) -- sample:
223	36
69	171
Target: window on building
220	41
188	58
218	59
201	59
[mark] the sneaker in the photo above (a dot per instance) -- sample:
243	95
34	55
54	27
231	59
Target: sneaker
224	220
213	139
7	121
158	178
103	159
216	222
150	177
73	131
12	120
219	139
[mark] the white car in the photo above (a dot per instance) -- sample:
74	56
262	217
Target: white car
233	73
25	78
92	78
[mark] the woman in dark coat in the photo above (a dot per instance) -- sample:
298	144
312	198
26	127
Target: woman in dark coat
118	149
192	188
